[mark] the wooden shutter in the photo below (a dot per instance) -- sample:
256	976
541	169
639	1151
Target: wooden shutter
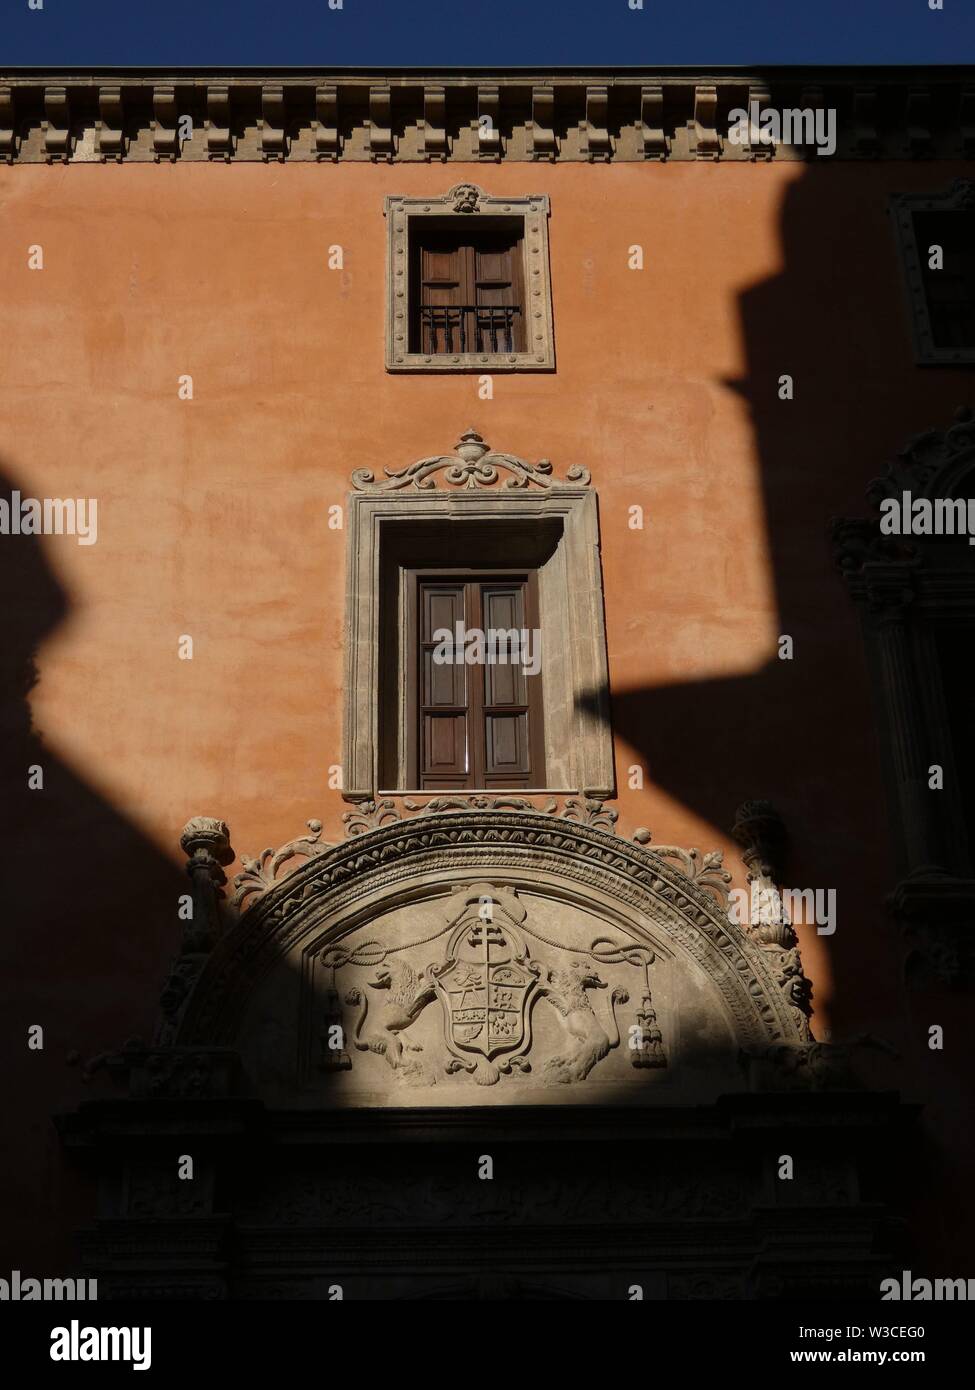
443	704
479	725
505	717
443	291
496	272
468	293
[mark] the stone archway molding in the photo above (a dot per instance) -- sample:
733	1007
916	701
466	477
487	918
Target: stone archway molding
313	889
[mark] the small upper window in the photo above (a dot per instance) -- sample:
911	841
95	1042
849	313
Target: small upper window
468	284
468	293
946	241
936	236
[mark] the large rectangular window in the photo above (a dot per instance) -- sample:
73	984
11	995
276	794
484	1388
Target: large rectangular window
423	559
474	712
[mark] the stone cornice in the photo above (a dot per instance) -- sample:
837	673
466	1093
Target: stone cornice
628	115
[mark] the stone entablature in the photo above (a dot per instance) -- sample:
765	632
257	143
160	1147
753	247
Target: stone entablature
487	117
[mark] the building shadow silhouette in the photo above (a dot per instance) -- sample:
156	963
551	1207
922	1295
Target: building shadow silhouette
803	732
88	923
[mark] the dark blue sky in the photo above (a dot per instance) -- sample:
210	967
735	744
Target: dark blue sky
481	33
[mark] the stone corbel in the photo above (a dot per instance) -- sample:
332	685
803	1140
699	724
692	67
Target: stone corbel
111	132
652	133
327	143
706	142
8	125
759	150
380	123
812	99
165	134
966	120
919	124
220	140
866	141
597	143
274	137
435	144
57	125
542	132
488	134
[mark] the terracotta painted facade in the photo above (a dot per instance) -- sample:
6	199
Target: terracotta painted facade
213	521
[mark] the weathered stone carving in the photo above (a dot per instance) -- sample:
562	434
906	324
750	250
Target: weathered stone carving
705	870
261	873
488	984
473	464
466	197
478	803
649	1050
369	815
408	996
759	985
933	463
590	812
207	843
588	1041
905	588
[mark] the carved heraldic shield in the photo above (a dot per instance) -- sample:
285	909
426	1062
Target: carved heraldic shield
486	985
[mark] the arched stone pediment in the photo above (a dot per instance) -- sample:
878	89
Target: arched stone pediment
467	948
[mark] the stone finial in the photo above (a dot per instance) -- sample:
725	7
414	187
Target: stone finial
206	842
760	831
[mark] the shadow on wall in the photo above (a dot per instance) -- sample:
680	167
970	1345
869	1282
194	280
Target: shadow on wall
803	733
89	921
89	912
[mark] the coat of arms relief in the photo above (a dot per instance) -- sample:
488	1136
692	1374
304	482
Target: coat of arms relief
487	984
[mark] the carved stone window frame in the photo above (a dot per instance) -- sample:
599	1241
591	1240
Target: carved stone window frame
467	202
907	590
579	744
958	197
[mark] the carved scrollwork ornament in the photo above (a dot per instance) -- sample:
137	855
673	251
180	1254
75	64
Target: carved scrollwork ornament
472	465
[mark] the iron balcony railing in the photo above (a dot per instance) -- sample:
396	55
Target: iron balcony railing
469	327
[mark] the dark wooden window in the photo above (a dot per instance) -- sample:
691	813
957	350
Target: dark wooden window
467	291
950	291
478	725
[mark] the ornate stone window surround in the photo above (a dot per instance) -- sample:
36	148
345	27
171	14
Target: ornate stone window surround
578	740
468	203
958	197
908	589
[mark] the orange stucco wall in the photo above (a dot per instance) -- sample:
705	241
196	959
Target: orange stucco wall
213	523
